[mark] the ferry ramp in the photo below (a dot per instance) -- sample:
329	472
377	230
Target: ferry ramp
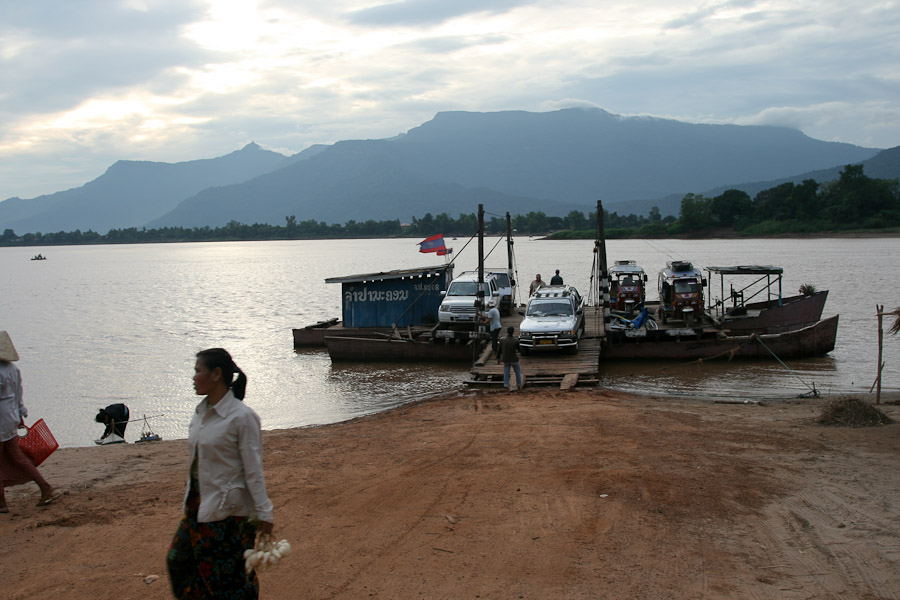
561	369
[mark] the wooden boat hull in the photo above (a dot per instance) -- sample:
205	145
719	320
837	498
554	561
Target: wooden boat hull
795	312
313	336
811	341
367	349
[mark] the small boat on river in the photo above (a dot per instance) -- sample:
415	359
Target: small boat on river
774	314
375	349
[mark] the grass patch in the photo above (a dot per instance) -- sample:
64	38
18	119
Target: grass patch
852	412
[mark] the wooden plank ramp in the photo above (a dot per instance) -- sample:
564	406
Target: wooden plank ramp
562	369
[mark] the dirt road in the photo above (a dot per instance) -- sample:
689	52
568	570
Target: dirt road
536	495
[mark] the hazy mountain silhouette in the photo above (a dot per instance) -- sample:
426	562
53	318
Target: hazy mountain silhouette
130	193
583	155
530	161
516	161
352	180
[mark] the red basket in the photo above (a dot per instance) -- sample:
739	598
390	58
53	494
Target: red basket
38	443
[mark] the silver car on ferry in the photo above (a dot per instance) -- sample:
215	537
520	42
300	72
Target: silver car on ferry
554	320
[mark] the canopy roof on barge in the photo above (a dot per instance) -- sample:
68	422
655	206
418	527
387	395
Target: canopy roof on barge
395	274
747	270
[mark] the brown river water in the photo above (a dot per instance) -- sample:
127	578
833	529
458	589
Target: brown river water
95	325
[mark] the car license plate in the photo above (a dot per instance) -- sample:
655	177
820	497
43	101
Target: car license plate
546	341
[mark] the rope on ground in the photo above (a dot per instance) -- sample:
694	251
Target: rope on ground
713	397
813	392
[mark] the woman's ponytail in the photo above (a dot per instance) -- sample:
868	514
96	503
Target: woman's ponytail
239	387
219	358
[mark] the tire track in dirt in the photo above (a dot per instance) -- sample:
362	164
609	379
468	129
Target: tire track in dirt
836	539
406	482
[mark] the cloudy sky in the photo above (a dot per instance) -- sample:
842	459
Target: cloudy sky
84	83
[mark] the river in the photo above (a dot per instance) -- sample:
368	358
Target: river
95	325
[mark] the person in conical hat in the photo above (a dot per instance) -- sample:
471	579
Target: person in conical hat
12	417
7	350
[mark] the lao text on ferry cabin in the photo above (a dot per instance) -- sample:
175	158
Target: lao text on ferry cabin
382	303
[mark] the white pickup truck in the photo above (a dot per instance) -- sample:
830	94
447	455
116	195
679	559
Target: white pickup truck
458	305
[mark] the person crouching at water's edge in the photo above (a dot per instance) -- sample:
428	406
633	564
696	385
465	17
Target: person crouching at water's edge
226	503
115	417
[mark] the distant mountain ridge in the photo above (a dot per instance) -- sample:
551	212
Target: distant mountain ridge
585	154
131	193
352	180
513	161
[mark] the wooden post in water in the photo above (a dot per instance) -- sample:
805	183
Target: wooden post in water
603	267
480	292
880	311
509	243
479	295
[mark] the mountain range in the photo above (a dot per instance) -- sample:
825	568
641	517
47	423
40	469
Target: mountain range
513	161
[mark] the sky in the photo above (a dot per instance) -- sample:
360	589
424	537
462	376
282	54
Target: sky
86	83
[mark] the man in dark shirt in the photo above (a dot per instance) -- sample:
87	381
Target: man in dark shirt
509	347
556	279
115	417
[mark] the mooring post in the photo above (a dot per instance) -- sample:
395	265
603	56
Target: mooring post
880	311
480	292
509	243
479	295
603	276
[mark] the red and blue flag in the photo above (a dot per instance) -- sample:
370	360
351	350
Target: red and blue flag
434	243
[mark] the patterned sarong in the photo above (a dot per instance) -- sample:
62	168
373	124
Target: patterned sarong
206	560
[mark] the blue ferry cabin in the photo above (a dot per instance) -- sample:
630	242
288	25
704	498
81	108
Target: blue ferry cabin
406	297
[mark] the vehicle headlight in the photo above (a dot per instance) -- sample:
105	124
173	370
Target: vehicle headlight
444	308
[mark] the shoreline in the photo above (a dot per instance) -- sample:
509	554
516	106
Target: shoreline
737	236
536	494
535	237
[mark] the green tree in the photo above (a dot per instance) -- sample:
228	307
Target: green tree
695	213
730	206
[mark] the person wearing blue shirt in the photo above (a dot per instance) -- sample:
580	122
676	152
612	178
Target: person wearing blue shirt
492	316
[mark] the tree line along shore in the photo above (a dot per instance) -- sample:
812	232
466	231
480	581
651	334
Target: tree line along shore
854	204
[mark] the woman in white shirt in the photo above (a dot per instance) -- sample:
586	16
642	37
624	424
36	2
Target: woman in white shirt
226	503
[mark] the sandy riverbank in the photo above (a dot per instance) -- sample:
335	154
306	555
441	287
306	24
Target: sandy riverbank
535	495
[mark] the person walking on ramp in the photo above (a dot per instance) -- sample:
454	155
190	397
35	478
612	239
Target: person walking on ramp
509	354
